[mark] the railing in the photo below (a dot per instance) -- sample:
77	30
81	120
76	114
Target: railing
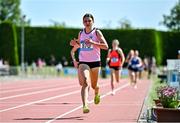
52	71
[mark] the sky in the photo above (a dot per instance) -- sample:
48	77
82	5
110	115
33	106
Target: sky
107	13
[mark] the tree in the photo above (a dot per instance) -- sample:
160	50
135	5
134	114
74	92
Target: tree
10	11
172	21
124	23
57	24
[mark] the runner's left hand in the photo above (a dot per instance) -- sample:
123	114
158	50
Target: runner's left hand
89	41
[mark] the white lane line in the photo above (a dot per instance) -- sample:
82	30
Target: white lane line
29	88
46	99
38	101
77	108
37	92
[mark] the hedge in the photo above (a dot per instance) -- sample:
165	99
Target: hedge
133	39
170	45
42	42
8	43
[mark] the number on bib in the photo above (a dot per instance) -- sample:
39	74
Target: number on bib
86	46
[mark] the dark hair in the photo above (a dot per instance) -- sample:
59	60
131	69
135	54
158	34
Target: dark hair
88	15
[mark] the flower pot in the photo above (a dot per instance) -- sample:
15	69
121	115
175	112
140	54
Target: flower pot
166	114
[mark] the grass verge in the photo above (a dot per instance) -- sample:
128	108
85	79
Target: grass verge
152	92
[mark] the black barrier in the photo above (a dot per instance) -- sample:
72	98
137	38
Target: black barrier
103	73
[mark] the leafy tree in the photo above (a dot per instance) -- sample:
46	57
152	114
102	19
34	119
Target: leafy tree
10	11
57	24
172	21
124	24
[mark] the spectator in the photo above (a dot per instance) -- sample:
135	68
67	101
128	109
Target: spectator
150	63
40	64
153	65
33	67
1	62
26	67
53	60
145	63
59	68
6	65
64	61
178	54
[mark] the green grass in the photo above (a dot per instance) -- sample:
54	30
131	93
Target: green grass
152	92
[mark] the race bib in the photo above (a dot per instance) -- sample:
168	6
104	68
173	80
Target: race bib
86	46
114	59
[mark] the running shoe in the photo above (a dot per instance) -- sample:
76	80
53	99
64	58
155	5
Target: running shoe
113	93
97	99
135	87
85	109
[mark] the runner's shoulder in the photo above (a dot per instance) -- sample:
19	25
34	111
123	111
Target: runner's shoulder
98	31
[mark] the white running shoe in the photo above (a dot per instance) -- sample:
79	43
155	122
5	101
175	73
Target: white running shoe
135	86
113	93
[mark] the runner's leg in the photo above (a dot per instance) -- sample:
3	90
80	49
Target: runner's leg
84	80
94	73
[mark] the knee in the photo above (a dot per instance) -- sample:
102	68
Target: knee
93	87
80	83
84	82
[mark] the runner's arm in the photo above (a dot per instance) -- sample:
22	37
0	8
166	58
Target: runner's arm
108	56
122	55
74	49
75	41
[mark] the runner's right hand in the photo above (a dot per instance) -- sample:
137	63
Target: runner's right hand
73	42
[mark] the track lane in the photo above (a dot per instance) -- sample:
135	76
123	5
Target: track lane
49	104
50	109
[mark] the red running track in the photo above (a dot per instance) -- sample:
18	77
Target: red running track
58	100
